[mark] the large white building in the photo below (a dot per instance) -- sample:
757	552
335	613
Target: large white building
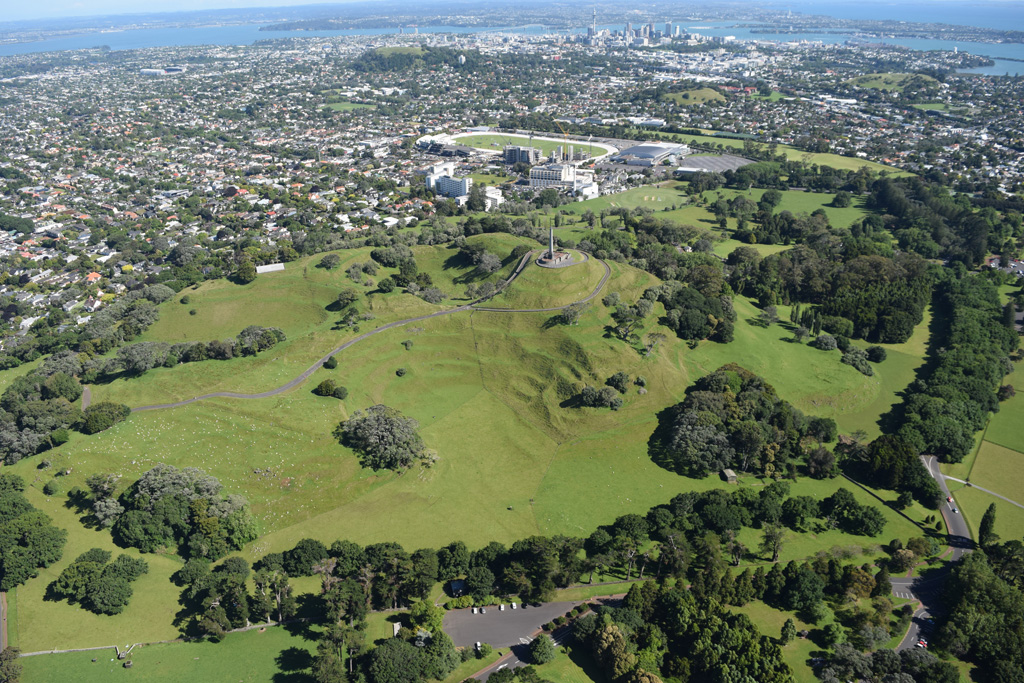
564	177
449	186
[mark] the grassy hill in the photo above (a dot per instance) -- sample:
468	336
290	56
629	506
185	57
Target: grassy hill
491	391
891	81
695	96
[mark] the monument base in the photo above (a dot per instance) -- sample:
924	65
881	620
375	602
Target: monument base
559	259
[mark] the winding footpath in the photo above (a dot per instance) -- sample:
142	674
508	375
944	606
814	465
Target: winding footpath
473	306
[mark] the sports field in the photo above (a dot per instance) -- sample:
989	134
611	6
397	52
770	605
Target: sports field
495	142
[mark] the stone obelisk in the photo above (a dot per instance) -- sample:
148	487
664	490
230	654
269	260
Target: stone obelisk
551	244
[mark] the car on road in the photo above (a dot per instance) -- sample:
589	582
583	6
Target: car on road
955	511
949	499
922	643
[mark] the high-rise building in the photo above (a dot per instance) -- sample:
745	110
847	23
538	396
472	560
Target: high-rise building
515	154
449	186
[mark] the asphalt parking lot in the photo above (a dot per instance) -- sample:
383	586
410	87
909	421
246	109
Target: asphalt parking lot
500	628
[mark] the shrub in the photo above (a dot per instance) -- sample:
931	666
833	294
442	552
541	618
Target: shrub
619	381
340	393
51	488
560	621
837	325
825	342
1006	391
843	343
186	299
407	344
400	372
640	381
858	359
876	354
550	626
192	311
331	363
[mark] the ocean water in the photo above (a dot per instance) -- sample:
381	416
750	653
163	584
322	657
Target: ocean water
991	14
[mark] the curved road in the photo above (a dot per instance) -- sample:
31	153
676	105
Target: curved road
398	323
928	591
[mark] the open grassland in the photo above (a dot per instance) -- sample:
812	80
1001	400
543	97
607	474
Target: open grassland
493	395
798	202
496	142
814	381
549	287
299	301
695	96
277	654
888	81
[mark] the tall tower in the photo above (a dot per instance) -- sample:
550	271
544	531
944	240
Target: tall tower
551	244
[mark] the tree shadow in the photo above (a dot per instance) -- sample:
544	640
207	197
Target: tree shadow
293	659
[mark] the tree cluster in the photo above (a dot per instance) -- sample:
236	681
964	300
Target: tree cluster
182	509
28	539
97	584
668	632
732	418
383	437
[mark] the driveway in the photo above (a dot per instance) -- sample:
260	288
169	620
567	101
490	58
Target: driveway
501	628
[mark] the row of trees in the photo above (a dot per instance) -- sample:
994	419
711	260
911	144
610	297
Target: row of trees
944	410
137	359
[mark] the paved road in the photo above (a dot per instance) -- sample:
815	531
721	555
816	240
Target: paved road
526	260
928	591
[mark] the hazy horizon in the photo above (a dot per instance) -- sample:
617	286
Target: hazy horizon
61	9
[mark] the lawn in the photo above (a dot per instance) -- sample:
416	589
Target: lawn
797	202
278	654
695	96
797	653
735	146
1005	427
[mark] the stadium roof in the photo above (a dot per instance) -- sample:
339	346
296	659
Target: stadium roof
653	150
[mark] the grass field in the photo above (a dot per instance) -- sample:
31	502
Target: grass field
695	96
575	667
495	142
972	504
347	106
888	81
277	654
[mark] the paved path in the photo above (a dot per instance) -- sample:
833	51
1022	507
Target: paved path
86	397
398	323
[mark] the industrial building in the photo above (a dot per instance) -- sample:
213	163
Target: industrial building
651	154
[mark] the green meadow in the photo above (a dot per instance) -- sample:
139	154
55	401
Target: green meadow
490	391
695	96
